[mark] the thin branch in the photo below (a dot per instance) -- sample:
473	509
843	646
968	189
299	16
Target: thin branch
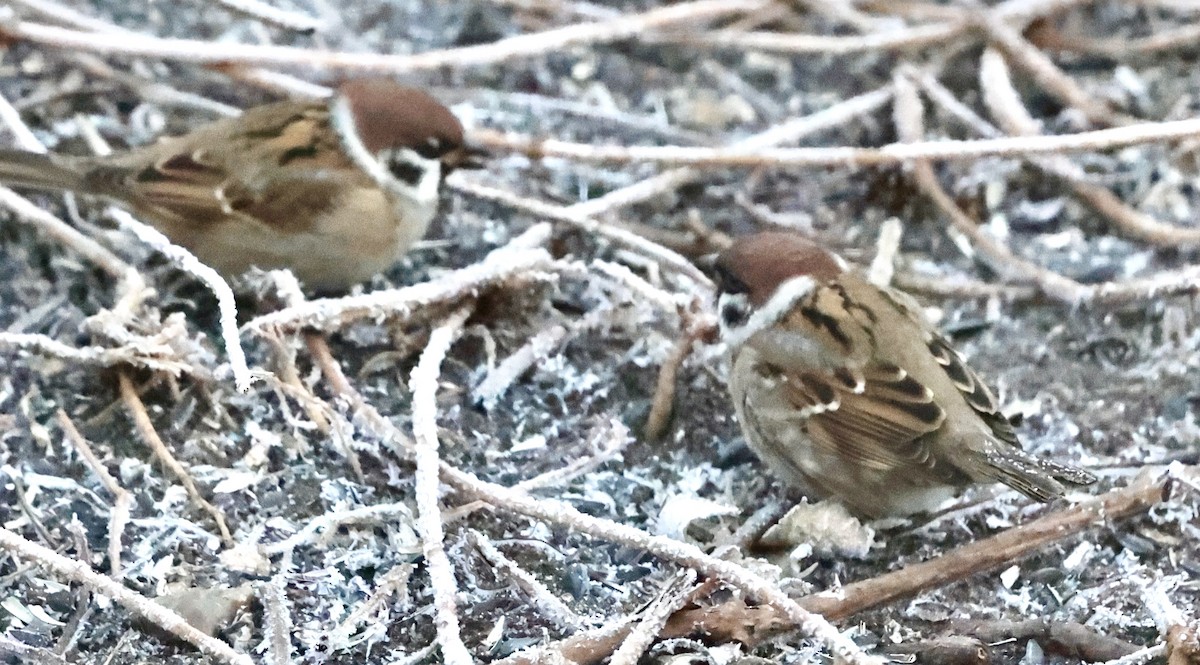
185	260
328	522
663	402
289	20
643	634
793	130
278	619
606	441
990	553
136	603
519	258
550	605
123	499
528	45
1005	105
141	419
918	37
423	384
1141	655
24	653
883	266
1045	73
539	347
583	221
850	156
153	357
261	77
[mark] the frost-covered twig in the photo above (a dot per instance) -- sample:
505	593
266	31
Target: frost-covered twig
990	553
122	498
1122	48
851	156
522	257
551	606
607	440
883	266
225	54
653	619
186	261
141	419
393	583
497	381
139	605
916	37
589	646
256	9
792	130
963	287
130	280
1140	656
583	221
1005	105
277	611
24	653
324	523
1045	73
12	119
423	385
270	80
136	355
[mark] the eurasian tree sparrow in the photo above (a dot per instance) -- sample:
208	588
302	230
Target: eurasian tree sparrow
335	190
844	389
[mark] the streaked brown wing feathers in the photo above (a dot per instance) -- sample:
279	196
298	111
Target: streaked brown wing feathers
878	416
973	389
198	186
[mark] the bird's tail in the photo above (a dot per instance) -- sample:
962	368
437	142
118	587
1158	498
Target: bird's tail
19	168
1036	478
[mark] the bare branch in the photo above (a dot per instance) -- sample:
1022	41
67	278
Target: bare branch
423	384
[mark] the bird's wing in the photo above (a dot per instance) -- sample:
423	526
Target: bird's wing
183	178
976	392
861	408
972	388
877	416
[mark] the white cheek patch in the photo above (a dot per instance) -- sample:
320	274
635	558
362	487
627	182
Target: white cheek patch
424	193
785	299
342	120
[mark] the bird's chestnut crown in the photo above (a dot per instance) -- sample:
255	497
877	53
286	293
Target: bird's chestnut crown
757	264
388	115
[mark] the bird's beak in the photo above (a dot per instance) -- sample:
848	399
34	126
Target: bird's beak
467	156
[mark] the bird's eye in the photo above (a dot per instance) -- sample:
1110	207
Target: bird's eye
728	282
432	148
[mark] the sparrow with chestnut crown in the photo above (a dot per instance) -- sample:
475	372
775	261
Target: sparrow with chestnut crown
844	389
335	190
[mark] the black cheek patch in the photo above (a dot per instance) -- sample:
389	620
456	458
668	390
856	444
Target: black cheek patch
732	314
405	172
